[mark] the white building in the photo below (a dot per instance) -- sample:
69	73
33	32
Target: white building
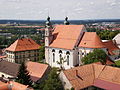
117	39
70	42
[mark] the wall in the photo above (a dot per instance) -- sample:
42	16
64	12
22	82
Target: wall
5	75
57	57
18	57
66	84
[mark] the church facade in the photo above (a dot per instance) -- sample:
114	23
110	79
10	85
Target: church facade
66	44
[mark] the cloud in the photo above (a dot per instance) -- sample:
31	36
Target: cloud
113	4
92	3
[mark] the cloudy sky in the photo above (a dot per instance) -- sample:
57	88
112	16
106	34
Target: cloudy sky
58	9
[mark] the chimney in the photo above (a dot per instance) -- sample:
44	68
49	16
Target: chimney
78	74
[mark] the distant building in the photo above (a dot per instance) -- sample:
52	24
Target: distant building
117	39
113	50
90	77
23	49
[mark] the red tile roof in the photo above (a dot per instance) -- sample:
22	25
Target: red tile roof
23	44
3	56
92	75
111	47
36	70
14	86
91	40
107	85
66	36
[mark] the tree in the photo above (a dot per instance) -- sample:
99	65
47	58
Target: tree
42	53
61	62
23	75
98	55
53	82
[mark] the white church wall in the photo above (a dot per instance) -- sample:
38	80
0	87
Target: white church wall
57	57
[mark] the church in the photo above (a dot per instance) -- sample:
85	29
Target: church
66	44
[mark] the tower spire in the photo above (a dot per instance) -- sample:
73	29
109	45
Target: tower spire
48	23
66	21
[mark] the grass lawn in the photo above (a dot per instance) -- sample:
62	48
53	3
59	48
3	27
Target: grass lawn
117	62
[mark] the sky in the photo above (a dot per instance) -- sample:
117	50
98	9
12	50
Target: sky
58	9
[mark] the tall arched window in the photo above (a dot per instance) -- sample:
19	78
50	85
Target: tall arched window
53	57
60	54
68	58
53	51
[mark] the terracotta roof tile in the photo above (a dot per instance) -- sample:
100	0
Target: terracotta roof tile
66	36
106	85
92	74
14	86
23	45
86	76
91	40
36	70
111	47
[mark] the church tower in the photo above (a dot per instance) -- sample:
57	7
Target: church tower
48	32
48	38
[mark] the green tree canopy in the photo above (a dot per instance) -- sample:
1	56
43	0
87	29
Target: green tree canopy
23	75
95	56
42	53
53	82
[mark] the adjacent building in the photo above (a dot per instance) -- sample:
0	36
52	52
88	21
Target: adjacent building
91	77
113	50
22	49
38	72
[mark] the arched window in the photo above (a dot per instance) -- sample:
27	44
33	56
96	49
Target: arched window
53	51
68	52
68	58
60	51
53	57
60	54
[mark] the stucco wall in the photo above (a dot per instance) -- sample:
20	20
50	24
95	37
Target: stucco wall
57	57
66	84
20	56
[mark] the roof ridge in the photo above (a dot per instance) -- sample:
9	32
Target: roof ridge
17	44
101	71
93	72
